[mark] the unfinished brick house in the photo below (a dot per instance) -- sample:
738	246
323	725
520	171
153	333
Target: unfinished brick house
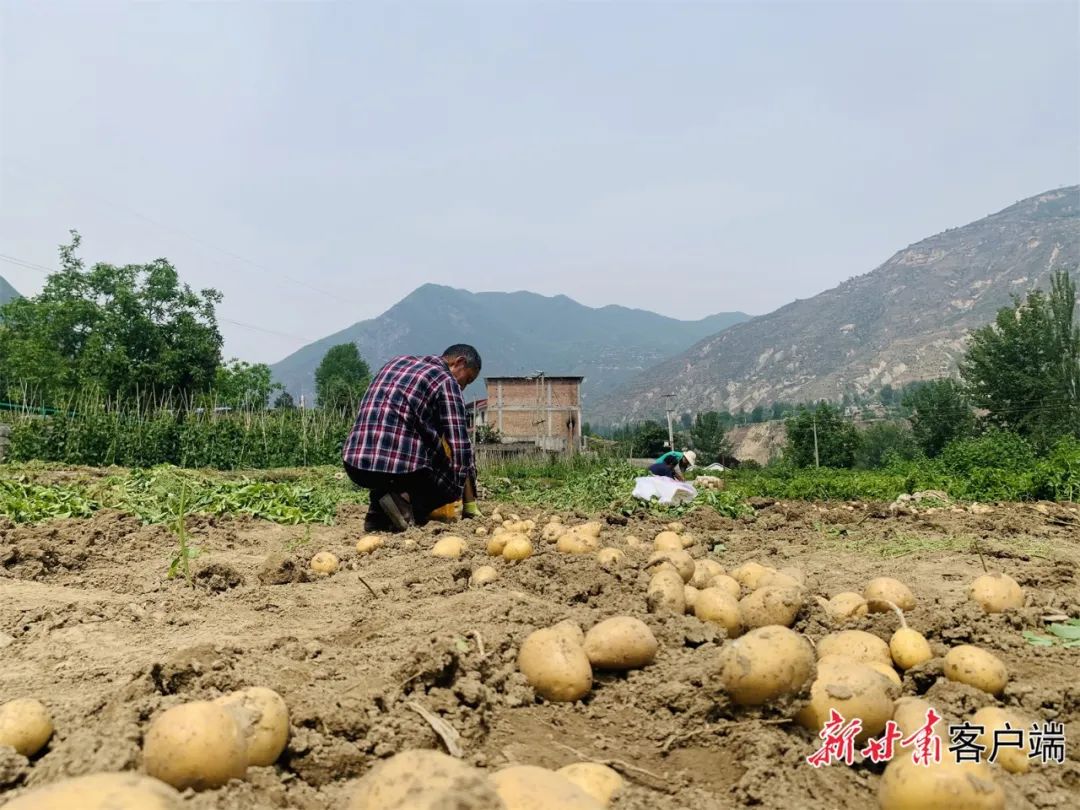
545	411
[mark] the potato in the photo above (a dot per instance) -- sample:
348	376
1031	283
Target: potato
765	664
366	545
264	719
515	518
591	529
482	576
846	605
690	595
25	725
771	605
632	541
101	791
854	690
682	562
991	718
599	781
976	667
526	787
667	541
449	547
777	579
577	542
555	519
555	665
887	589
421	779
496	517
197	745
530	525
324	563
704	572
856	644
727	585
947	785
666	591
621	642
517	547
552	532
571	630
719	607
796	574
996	593
480	531
497	543
909	648
910	715
676	526
750	574
688	539
887	671
610	558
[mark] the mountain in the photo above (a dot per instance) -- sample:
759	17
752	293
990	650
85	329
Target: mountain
904	321
515	333
7	292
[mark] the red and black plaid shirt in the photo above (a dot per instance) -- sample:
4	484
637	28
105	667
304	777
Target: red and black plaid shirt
411	403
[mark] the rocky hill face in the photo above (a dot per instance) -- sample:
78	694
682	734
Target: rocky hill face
905	320
7	292
516	333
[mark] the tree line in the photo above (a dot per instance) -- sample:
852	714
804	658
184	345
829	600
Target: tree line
136	336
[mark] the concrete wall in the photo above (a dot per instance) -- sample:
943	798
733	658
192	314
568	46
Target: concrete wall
5	431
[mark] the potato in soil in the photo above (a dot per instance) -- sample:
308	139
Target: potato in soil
621	642
422	779
947	785
101	791
766	664
25	725
198	745
527	787
555	665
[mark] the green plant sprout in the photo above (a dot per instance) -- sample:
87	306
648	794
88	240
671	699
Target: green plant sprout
185	553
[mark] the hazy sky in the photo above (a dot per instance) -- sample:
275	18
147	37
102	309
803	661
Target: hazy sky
682	157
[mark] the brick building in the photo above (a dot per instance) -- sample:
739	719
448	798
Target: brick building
539	409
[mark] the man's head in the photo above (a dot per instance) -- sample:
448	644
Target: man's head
464	363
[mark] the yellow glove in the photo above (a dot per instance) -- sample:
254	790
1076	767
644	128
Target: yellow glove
471	510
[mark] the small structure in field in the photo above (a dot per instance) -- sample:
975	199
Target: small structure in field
540	409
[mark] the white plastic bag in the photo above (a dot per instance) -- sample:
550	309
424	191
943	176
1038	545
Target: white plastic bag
666	490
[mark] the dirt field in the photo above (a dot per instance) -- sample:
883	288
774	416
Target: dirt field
89	625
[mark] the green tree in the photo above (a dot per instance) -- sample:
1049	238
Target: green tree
284	401
887	395
709	438
940	413
837	438
245	386
1024	368
341	378
125	332
650	439
885	442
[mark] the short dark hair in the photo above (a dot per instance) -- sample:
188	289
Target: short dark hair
465	351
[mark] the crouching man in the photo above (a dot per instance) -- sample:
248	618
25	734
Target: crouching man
409	445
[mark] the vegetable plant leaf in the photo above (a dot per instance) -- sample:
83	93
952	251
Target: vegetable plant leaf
1069	632
1037	640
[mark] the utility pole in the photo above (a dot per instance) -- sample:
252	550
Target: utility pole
670	429
816	464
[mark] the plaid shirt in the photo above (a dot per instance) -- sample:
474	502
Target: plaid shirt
410	405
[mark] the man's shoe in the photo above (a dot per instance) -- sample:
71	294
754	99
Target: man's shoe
397	510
